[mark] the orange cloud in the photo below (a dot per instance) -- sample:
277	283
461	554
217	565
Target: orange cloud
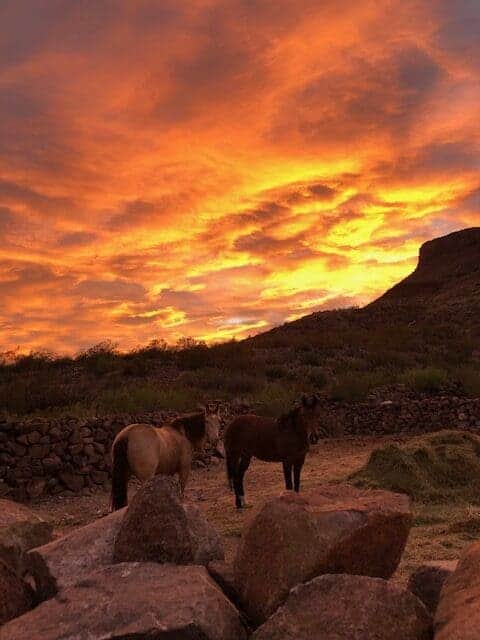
210	169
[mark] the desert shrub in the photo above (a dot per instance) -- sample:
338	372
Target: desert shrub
276	371
438	467
317	377
311	357
241	383
209	379
468	379
273	399
355	386
193	356
233	355
146	398
425	380
100	359
38	392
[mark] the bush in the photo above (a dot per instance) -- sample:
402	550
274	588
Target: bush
273	399
147	398
276	371
100	359
355	387
425	380
468	379
317	378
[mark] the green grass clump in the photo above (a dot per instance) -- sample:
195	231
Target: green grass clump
439	467
425	380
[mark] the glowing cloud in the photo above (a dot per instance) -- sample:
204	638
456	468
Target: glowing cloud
210	169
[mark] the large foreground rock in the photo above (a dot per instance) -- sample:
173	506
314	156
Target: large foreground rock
427	580
206	543
20	530
157	527
458	612
342	607
68	560
328	529
134	600
16	596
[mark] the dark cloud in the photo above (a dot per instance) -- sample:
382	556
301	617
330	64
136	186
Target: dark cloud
110	290
366	99
76	239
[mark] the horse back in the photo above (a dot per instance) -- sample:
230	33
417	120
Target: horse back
174	450
252	435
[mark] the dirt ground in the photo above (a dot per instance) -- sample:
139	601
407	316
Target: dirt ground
439	531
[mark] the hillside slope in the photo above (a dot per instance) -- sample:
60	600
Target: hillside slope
445	287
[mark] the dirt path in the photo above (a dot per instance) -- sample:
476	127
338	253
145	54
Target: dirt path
439	532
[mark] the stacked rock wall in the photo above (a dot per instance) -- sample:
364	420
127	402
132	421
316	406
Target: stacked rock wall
49	456
42	456
399	416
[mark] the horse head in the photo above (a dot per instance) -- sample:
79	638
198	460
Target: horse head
211	412
302	418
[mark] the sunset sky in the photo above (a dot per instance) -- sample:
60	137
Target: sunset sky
213	168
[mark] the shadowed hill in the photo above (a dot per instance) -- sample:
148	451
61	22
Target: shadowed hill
444	287
448	269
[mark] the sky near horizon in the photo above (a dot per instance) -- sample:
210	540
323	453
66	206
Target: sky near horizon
212	168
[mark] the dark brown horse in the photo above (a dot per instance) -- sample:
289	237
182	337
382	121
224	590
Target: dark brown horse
284	440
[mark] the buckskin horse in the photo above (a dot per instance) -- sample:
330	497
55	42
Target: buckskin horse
284	440
144	451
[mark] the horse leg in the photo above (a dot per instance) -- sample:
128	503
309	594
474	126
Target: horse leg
183	476
297	468
287	474
242	467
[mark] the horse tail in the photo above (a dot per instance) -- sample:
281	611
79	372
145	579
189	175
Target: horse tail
120	473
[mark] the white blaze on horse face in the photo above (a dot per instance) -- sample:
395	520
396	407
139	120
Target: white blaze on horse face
212	421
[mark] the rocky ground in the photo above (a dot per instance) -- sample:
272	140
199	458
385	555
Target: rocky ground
440	532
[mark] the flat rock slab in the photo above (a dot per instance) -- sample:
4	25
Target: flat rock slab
427	580
20	530
327	529
343	607
70	559
16	597
134	600
458	612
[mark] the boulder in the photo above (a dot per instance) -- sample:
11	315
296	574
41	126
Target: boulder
16	596
157	527
458	612
206	543
427	581
20	530
134	600
222	573
327	529
70	559
344	607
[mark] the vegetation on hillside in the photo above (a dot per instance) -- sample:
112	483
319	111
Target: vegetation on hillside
338	354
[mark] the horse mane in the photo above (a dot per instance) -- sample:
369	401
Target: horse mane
288	418
193	424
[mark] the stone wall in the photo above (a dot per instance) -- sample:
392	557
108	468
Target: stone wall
40	456
399	416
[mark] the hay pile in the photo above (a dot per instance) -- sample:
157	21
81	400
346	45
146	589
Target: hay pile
438	467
